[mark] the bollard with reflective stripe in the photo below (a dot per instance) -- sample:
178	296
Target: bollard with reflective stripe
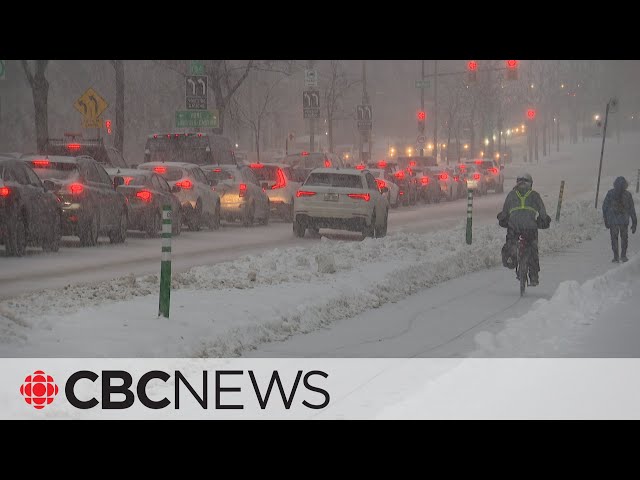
165	267
469	213
560	201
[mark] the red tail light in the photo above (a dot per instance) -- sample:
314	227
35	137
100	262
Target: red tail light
456	178
412	163
127	180
444	176
186	184
160	169
327	163
281	182
304	154
217	170
382	164
381	183
40	163
155	136
493	170
399	174
76	188
73	146
360	167
256	165
243	189
360	196
478	162
4	191
401	192
476	176
303	193
144	195
424	180
462	167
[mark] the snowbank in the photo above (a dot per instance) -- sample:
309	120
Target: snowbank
284	291
550	325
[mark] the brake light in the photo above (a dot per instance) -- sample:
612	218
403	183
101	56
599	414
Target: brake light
303	193
424	180
401	192
76	188
73	146
462	167
493	170
381	183
40	163
456	178
217	170
281	182
360	167
399	174
160	169
4	191
412	163
478	162
243	189
476	176
327	163
382	164
304	154
155	136
360	196
256	165
144	195
444	176
199	135
186	184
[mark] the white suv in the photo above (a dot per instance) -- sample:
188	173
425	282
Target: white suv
343	199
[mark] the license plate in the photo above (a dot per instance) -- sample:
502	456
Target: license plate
331	197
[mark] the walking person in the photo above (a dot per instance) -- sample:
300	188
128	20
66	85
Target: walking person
617	209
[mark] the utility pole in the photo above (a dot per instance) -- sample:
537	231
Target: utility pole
435	108
364	133
312	121
422	103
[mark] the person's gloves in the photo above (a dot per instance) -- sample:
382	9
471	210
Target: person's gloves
633	228
606	225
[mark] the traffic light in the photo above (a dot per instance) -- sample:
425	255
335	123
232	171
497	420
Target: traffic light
472	68
107	124
531	114
512	69
422	116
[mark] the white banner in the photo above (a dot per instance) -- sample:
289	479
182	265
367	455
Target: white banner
319	388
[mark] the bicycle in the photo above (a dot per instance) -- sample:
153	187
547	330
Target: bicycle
523	254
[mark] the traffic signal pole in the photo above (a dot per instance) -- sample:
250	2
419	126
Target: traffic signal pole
421	106
435	109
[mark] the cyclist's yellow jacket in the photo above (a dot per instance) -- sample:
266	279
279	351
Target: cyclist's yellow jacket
522	208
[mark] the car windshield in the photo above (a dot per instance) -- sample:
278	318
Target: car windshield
47	170
135	179
333	180
308	161
169	173
266	173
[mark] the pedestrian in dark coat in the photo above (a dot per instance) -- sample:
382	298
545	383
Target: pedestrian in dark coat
617	210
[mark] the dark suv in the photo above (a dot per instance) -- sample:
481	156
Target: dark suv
90	203
91	147
29	213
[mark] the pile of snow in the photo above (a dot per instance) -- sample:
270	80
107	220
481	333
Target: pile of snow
550	326
300	289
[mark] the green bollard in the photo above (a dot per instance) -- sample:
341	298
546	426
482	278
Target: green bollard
469	215
165	266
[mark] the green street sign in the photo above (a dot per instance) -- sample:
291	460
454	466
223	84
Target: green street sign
197	67
3	69
423	83
197	119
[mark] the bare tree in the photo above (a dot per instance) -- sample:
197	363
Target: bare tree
40	90
337	86
118	139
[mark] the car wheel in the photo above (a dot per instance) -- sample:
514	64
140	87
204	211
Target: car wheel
88	232
154	226
16	239
215	222
265	220
249	215
288	215
299	229
369	230
382	231
119	235
52	244
194	221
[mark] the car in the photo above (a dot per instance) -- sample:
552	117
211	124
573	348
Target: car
444	179
343	199
303	163
279	182
190	147
91	205
385	179
389	167
200	204
74	145
147	194
493	173
241	196
459	175
405	162
30	214
476	179
408	187
428	186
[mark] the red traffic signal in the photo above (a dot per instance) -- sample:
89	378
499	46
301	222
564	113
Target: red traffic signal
472	66
422	116
531	114
107	124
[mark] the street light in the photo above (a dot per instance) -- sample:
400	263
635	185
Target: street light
486	142
430	146
466	146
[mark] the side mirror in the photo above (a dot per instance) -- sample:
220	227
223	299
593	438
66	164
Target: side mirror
49	186
117	181
384	189
175	189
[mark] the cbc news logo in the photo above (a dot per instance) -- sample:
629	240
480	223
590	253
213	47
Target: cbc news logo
39	389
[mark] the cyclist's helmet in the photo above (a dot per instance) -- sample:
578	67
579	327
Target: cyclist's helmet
525	178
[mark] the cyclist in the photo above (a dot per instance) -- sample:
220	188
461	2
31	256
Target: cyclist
523	213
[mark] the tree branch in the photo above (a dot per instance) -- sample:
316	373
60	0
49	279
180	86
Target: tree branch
27	72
